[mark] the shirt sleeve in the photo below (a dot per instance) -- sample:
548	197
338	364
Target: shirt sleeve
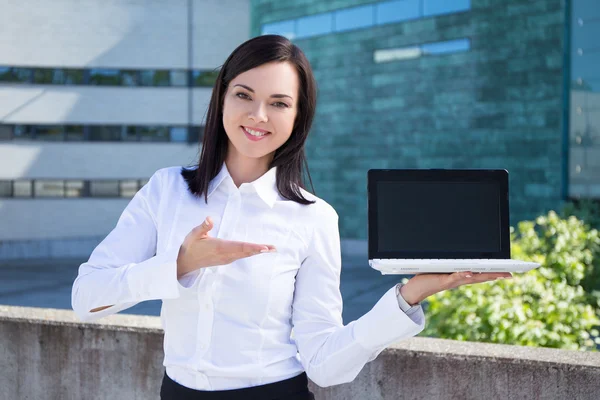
124	269
330	352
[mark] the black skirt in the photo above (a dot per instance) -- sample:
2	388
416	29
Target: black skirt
295	388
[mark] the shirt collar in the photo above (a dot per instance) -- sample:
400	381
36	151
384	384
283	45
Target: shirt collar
265	186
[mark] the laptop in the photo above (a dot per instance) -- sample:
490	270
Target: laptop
440	221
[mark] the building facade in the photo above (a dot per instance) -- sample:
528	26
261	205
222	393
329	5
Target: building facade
511	84
95	96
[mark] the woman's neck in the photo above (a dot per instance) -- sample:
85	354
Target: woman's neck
245	169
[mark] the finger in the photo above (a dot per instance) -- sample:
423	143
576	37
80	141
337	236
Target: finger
205	227
244	249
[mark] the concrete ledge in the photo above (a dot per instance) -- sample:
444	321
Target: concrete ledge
50	354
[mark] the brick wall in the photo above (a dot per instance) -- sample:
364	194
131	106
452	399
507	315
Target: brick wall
498	105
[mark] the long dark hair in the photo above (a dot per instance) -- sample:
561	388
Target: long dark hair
290	158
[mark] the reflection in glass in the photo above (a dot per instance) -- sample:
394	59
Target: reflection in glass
49	133
450	46
154	78
104	188
108	77
314	25
129	78
178	78
5	189
6	132
73	76
283	28
153	133
74	132
143	182
396	11
437	7
129	134
49	188
103	133
204	78
6	74
353	18
23	188
75	188
179	134
49	76
23	132
128	188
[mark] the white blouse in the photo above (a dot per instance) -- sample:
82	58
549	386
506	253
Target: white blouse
230	326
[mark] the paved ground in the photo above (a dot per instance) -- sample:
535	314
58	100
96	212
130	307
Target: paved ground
47	283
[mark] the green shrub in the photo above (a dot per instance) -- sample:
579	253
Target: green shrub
546	307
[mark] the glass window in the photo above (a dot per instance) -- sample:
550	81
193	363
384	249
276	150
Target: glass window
49	132
451	46
23	132
6	74
129	133
23	188
437	7
73	76
143	182
15	75
154	78
204	78
396	11
129	78
109	77
400	54
6	132
49	188
353	18
283	28
74	132
103	133
153	133
104	188
128	188
75	188
314	25
5	188
196	134
178	134
48	76
584	114
178	78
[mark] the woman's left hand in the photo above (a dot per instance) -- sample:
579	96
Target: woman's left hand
421	286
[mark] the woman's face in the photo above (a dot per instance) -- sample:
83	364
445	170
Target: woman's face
259	109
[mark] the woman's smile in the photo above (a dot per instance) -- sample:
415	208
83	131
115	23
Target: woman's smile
255	134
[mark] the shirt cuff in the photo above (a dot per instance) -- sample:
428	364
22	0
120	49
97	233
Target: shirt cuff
403	304
386	323
155	278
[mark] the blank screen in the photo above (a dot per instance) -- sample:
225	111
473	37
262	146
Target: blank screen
438	216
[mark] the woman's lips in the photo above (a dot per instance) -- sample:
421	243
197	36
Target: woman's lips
254	138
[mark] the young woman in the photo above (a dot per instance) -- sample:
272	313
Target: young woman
246	261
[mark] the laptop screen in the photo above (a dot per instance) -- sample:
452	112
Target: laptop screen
438	216
417	213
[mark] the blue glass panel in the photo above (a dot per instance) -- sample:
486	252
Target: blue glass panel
283	28
314	25
585	67
451	46
395	11
179	134
585	37
586	9
353	18
437	7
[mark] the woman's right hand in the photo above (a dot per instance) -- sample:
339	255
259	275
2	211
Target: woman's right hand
199	250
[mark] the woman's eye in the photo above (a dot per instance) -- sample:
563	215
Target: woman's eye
280	105
242	95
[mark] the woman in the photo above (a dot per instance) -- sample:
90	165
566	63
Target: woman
240	253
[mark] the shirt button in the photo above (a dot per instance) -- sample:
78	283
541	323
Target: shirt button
207	307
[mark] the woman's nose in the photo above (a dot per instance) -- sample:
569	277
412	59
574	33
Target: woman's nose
258	113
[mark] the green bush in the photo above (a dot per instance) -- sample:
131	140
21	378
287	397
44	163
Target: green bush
546	307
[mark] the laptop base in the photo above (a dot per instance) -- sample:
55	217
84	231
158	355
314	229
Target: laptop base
417	266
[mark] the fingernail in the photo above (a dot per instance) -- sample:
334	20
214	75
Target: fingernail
265	251
469	276
499	278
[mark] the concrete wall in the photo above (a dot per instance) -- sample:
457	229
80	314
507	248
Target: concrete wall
48	354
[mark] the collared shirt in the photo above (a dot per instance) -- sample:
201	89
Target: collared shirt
257	320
